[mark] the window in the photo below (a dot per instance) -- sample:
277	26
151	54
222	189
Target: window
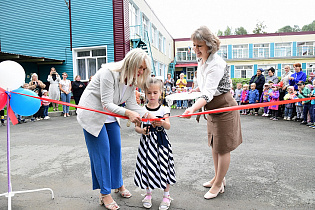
305	48
134	21
261	50
243	71
223	51
266	67
240	51
285	64
283	49
190	73
310	67
153	35
169	51
87	61
185	54
164	41
160	42
145	24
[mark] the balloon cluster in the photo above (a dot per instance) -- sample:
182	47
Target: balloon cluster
12	77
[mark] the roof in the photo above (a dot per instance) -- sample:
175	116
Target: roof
30	59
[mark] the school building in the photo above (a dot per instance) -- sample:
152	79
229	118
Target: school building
77	37
246	53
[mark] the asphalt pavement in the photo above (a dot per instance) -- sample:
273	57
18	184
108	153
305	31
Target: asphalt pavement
272	169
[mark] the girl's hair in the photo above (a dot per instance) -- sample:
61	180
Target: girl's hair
153	81
297	65
77	77
65	73
204	34
129	67
245	85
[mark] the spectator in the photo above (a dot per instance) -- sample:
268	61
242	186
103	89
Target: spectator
271	76
285	77
274	96
45	104
288	111
259	79
181	82
244	98
313	106
54	91
298	76
2	117
178	102
311	77
169	82
253	97
265	98
36	84
195	81
65	87
185	102
77	89
238	92
304	92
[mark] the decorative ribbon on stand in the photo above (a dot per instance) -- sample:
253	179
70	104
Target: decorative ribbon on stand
6	97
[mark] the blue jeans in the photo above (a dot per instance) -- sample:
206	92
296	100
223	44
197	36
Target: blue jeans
105	157
312	113
179	103
45	110
65	98
288	112
185	103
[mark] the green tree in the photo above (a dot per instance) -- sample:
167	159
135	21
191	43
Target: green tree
309	27
288	28
240	31
260	26
228	31
220	33
296	28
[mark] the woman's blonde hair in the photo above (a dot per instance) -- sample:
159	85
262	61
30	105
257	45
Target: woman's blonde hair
153	81
34	74
204	34
129	68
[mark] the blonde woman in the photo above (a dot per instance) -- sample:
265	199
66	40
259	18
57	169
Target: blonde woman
65	87
214	85
36	85
111	86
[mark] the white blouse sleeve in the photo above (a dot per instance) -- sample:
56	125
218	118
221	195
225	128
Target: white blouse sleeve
212	74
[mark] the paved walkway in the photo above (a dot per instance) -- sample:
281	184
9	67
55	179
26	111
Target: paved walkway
273	168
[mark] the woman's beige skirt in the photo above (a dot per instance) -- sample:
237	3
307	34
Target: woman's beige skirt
224	129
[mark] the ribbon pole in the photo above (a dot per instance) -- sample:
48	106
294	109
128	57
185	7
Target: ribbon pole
8	155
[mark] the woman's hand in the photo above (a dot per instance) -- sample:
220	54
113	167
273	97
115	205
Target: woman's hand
188	111
134	117
192	90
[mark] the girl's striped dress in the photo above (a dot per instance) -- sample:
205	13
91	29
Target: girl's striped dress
155	163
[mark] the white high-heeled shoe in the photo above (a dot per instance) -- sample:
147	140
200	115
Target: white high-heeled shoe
210	195
209	184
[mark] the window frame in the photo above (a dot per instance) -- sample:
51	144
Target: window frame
259	48
242	70
285	49
312	47
245	51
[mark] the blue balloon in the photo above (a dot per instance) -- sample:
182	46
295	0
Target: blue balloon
24	105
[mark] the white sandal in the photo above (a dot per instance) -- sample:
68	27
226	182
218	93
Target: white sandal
209	184
165	205
146	202
124	194
111	206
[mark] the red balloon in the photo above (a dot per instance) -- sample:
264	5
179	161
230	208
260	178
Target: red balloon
3	99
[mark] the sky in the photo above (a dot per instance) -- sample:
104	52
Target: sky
182	17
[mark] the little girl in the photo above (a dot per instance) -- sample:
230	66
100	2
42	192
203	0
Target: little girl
265	98
244	98
155	164
274	96
288	110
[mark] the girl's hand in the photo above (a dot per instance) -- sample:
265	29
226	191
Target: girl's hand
145	131
157	123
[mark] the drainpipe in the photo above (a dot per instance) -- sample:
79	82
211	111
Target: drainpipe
70	25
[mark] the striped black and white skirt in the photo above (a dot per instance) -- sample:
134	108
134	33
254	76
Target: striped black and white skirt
155	163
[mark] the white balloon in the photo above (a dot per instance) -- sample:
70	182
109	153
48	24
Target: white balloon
12	75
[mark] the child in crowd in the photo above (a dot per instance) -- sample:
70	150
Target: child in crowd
232	91
238	92
45	104
274	96
313	105
265	98
253	97
288	110
185	102
178	102
2	117
155	164
174	102
304	92
244	98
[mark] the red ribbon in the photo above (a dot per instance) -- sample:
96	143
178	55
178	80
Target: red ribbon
225	109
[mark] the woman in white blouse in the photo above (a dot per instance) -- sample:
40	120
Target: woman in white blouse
111	86
224	129
65	87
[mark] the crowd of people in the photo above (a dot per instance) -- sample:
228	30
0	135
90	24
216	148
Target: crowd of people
59	89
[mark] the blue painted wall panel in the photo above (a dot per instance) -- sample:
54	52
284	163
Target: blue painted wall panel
304	67
229	51
250	50
272	50
294	49
279	70
232	71
255	69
